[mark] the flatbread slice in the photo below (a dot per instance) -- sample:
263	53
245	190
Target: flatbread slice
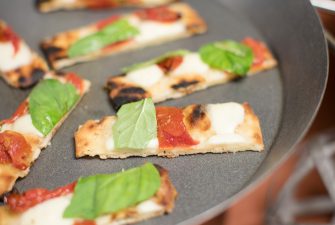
51	210
53	5
21	141
212	128
123	33
177	74
20	66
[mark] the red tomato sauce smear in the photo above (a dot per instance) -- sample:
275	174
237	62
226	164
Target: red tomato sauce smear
160	14
15	149
172	131
258	49
108	21
22	202
171	63
20	111
76	81
7	34
85	222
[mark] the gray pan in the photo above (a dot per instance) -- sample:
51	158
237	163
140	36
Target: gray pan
286	98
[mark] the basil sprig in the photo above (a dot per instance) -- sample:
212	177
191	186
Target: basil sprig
136	125
102	194
115	32
136	66
228	55
49	101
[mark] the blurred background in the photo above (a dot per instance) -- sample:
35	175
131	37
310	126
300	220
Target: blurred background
302	189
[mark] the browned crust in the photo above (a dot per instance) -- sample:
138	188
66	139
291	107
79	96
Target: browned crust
55	48
9	174
165	198
28	75
53	5
91	138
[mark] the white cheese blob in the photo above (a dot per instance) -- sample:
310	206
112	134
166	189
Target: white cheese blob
152	31
23	124
110	144
226	138
153	144
225	117
148	206
49	212
147	76
191	65
9	60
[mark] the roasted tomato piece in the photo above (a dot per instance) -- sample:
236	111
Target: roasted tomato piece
160	14
171	63
258	49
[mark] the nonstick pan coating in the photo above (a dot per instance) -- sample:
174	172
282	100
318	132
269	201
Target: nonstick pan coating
286	98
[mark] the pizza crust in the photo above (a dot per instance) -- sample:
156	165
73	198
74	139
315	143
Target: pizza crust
91	139
9	174
53	5
55	48
164	198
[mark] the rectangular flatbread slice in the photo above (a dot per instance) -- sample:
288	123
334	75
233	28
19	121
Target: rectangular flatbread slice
212	128
51	211
20	66
32	126
53	5
123	33
177	74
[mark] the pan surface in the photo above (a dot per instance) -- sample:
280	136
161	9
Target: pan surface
285	98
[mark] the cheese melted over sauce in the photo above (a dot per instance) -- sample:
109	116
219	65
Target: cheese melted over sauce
24	125
9	60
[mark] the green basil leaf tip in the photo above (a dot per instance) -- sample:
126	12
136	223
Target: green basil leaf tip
49	101
228	55
136	66
98	195
136	125
120	30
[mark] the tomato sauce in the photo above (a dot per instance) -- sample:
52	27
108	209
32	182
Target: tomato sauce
172	131
7	34
171	63
160	14
100	4
76	81
28	199
15	149
20	111
85	222
258	49
103	23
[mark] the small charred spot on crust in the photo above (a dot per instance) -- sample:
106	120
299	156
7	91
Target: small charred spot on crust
132	90
195	117
118	101
122	92
53	53
184	84
37	74
238	78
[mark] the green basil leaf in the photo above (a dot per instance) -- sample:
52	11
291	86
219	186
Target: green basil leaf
49	101
136	66
118	31
228	55
136	125
102	194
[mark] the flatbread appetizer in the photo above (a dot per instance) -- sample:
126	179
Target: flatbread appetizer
20	66
34	123
182	72
53	5
140	129
126	197
123	33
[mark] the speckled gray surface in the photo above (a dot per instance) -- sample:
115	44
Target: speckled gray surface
203	181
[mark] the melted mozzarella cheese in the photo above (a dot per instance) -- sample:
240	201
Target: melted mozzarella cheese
153	144
23	124
153	31
226	138
9	60
49	212
147	76
225	117
148	206
192	64
110	144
